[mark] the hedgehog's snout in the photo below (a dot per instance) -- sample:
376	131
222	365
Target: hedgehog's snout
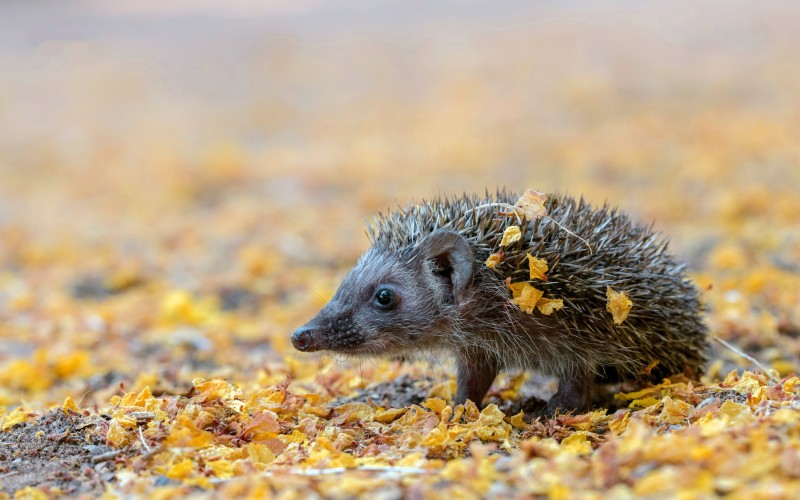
304	339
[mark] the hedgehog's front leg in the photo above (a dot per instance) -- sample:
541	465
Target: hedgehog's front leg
574	393
477	370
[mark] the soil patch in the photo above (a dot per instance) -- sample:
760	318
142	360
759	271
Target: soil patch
58	452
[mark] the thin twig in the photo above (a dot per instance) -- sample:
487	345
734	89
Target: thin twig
573	234
515	210
749	358
105	457
338	470
144	443
149	454
498	205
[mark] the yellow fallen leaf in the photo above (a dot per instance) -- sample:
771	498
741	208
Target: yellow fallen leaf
790	385
180	470
69	405
185	434
71	364
643	402
214	389
117	435
435	404
525	296
259	453
735	412
538	267
618	304
674	411
17	416
389	415
222	468
618	424
495	259
518	421
577	444
512	234
547	306
747	384
31	493
531	204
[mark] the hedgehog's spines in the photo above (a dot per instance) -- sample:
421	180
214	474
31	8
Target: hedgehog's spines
663	325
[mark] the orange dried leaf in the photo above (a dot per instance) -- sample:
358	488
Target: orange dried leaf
388	415
180	470
531	204
15	417
538	267
70	406
525	296
263	426
618	304
185	434
512	234
495	259
576	444
259	453
435	404
548	306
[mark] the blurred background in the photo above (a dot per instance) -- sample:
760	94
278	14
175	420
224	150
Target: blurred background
183	183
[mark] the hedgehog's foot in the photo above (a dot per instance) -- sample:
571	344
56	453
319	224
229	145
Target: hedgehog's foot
574	393
476	372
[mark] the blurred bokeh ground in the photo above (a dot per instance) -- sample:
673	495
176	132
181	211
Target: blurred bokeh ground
181	186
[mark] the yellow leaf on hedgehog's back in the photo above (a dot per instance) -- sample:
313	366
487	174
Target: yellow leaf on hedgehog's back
547	306
512	234
538	267
531	204
525	296
618	304
494	260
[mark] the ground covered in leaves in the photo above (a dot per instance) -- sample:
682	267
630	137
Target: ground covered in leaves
169	215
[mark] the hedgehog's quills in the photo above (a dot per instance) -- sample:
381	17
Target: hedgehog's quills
424	286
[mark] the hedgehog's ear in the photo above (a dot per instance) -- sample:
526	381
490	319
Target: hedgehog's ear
451	260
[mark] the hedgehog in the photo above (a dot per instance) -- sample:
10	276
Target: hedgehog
424	285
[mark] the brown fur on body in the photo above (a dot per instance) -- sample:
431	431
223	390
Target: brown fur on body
431	257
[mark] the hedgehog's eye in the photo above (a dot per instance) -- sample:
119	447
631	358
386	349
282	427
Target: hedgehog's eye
384	298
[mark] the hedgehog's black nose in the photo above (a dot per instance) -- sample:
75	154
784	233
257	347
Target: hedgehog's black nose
303	340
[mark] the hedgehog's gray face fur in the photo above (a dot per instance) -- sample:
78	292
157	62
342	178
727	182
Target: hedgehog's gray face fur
394	302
